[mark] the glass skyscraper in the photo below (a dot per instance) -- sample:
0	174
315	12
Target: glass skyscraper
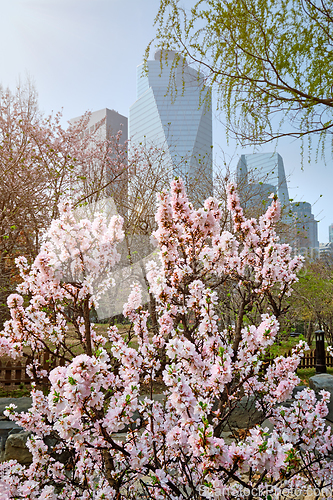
264	173
264	169
179	123
305	224
330	233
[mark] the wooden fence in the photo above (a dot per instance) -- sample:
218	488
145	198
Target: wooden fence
13	373
308	360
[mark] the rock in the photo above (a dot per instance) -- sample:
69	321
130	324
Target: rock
329	424
297	389
228	438
63	456
16	448
119	437
13	439
245	415
288	403
23	404
269	424
323	381
136	415
6	427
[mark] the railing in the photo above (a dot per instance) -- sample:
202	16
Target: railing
13	372
307	361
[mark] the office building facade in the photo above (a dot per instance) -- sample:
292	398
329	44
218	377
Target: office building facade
106	123
179	123
330	233
264	173
306	227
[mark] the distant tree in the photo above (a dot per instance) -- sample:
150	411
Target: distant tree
40	163
312	300
270	61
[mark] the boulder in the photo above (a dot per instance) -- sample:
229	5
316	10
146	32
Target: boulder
288	403
269	424
63	456
323	381
6	427
227	437
245	415
298	388
16	448
23	404
136	415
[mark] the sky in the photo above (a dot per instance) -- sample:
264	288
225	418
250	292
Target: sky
82	55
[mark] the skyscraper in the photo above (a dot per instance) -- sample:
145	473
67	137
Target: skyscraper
260	174
107	123
305	224
330	233
179	123
264	171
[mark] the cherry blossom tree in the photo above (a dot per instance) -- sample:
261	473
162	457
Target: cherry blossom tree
172	447
42	161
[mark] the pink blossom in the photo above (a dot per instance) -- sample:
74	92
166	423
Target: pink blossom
171	446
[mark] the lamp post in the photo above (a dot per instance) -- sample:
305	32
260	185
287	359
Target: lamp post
320	352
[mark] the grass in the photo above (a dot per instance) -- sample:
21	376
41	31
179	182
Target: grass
305	373
21	391
282	348
285	346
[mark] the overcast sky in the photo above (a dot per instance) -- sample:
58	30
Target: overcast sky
82	55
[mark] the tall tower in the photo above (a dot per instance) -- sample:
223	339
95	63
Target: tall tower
305	224
265	170
178	123
262	173
107	123
330	233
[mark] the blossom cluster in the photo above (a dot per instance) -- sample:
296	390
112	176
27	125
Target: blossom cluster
101	432
66	280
